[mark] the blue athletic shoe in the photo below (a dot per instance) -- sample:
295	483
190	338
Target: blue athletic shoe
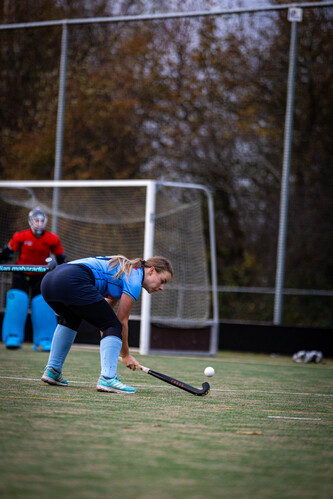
52	377
13	342
44	346
113	385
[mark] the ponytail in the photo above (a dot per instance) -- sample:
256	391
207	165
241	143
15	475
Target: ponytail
126	265
160	264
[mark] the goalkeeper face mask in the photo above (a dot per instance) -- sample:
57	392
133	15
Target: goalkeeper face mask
37	221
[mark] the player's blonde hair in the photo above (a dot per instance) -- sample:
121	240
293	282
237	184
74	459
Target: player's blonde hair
160	263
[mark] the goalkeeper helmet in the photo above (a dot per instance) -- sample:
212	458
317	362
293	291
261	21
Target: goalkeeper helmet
37	221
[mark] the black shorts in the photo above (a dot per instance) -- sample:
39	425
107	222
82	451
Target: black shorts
70	284
27	283
70	290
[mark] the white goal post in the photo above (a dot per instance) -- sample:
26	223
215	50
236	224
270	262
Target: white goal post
137	218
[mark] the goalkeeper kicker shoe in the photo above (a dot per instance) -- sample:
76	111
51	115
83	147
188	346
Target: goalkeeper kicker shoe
52	377
44	346
113	385
13	342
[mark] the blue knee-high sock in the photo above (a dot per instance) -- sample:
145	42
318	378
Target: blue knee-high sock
110	347
62	341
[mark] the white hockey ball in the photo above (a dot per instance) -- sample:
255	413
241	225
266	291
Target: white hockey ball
209	371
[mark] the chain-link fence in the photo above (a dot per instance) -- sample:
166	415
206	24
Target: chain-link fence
239	100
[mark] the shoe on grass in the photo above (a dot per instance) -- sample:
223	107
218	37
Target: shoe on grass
113	385
44	346
52	377
13	342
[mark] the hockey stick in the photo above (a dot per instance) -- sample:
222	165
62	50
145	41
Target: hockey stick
179	384
39	269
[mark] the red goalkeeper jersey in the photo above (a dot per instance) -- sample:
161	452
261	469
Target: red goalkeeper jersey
34	250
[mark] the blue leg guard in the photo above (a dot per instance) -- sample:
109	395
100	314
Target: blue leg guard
13	325
44	322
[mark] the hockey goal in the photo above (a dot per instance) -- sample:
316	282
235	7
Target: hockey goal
137	218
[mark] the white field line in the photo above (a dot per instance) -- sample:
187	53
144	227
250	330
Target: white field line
38	379
164	386
93	383
276	393
291	417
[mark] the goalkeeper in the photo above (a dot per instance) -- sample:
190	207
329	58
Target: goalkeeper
33	245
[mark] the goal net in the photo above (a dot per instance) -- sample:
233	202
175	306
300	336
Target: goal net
136	219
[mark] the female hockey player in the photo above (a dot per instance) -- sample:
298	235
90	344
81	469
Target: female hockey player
88	289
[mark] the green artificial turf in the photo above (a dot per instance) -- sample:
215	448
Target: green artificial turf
263	431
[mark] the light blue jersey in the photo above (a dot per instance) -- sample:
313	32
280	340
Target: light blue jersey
106	284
